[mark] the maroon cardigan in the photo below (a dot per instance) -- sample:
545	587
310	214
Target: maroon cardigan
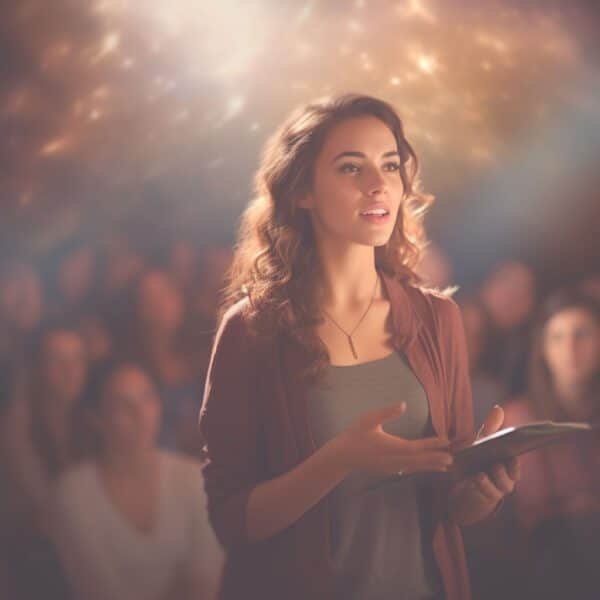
255	421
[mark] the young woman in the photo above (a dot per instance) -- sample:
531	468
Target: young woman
131	522
158	328
331	369
558	505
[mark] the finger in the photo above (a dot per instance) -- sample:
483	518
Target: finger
501	480
513	468
484	486
394	443
427	461
492	423
422	445
381	415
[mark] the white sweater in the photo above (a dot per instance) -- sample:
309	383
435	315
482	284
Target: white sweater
106	558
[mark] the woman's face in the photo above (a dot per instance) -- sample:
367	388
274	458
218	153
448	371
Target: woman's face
21	298
64	366
131	412
76	274
572	346
357	169
160	303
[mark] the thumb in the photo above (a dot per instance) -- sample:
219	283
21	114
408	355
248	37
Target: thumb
381	415
493	422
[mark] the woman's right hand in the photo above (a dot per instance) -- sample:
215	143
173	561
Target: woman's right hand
365	446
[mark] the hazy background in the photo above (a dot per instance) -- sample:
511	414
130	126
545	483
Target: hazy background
152	114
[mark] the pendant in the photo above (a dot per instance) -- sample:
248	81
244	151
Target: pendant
352	347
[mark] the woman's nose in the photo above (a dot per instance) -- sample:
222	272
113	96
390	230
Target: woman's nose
375	183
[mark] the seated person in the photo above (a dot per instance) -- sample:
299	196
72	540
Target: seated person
131	523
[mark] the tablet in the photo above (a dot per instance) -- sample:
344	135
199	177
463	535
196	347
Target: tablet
500	446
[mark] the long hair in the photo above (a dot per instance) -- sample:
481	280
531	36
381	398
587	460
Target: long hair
542	394
275	263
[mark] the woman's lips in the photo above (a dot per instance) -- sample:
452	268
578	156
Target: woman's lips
377	218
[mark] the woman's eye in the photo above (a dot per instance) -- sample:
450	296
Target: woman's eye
348	168
392	166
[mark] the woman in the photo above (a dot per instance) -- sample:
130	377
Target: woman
322	335
131	522
558	504
157	338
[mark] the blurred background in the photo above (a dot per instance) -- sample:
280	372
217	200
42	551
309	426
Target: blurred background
129	135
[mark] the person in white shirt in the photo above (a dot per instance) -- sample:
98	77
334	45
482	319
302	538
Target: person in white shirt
131	523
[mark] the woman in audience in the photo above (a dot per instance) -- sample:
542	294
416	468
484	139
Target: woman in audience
21	304
59	370
156	340
558	501
130	523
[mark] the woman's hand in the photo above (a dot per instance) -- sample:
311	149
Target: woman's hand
477	497
366	446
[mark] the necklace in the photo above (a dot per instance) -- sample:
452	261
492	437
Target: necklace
349	335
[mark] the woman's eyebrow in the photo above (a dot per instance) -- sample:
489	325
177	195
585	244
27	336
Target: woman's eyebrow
362	154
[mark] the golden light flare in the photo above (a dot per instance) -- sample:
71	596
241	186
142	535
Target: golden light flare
56	146
152	84
427	63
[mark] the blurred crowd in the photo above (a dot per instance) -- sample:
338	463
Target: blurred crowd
538	356
103	353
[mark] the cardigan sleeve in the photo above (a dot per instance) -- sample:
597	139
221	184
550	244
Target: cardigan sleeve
230	424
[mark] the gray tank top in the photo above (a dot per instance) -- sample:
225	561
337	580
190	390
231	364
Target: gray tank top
380	540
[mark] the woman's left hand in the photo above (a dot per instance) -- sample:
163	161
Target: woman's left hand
477	497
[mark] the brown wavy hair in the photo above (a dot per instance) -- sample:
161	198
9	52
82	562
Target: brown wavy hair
275	262
541	394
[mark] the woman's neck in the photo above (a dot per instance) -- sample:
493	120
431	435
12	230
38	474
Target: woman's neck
348	277
128	463
575	399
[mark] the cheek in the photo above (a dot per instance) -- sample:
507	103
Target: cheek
589	353
154	415
553	355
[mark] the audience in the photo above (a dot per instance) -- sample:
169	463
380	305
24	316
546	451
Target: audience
21	304
130	522
508	295
104	497
558	499
157	338
487	389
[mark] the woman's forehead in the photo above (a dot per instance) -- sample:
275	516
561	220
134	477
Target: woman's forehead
365	134
570	317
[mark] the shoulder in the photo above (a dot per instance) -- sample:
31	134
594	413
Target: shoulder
436	309
235	317
75	489
185	483
75	476
183	472
179	465
233	331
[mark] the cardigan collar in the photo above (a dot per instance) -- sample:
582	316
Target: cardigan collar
406	321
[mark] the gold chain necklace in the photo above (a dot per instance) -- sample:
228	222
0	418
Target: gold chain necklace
349	335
